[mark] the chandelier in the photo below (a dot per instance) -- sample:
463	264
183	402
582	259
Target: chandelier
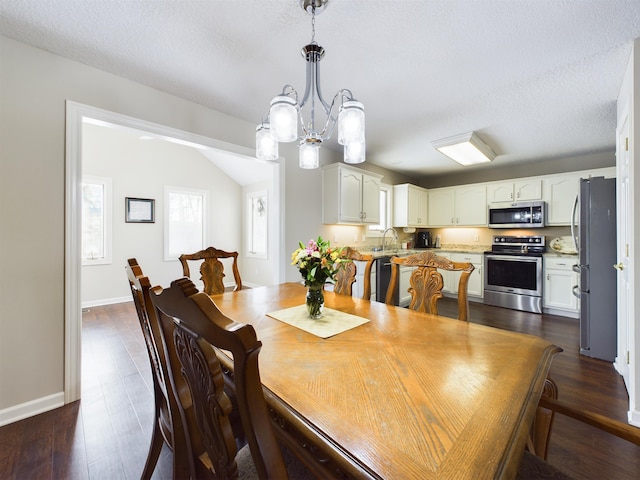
286	112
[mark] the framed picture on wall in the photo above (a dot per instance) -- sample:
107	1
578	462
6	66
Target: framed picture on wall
140	210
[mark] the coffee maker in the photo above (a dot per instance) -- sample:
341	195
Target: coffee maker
423	239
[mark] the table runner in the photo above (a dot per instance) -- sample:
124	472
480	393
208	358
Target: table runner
331	323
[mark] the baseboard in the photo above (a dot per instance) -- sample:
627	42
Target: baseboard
634	417
561	313
31	408
106	301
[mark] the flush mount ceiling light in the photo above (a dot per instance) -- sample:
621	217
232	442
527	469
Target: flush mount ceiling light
466	149
286	111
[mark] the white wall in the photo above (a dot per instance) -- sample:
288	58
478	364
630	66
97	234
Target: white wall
141	168
35	86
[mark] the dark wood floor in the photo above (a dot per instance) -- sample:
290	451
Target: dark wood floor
106	435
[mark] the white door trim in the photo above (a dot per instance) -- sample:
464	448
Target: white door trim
76	113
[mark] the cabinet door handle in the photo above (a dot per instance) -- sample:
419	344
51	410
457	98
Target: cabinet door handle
548	277
619	266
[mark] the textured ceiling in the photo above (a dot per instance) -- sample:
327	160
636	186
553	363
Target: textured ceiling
537	79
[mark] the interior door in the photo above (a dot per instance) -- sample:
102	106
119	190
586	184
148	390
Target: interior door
624	220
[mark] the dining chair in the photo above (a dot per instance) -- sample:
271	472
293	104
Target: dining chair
193	330
346	276
534	464
427	283
212	269
167	424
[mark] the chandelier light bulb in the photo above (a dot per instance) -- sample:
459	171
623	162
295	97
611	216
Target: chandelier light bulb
266	145
283	116
354	152
309	155
351	122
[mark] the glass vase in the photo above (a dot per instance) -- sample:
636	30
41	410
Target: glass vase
315	300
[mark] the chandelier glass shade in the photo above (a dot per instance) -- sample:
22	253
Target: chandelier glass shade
286	114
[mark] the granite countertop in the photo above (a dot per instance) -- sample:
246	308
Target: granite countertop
551	253
411	251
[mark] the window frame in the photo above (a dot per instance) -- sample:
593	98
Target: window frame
376	231
168	190
107	221
249	224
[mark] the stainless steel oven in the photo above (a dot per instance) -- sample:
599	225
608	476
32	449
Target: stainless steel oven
513	273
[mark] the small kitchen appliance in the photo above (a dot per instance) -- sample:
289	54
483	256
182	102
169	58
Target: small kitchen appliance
423	239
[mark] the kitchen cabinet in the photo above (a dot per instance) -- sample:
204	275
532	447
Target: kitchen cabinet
350	195
517	191
560	192
458	206
358	286
404	297
409	206
559	280
357	289
475	288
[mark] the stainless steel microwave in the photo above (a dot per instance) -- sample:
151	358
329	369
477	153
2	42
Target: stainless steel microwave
517	215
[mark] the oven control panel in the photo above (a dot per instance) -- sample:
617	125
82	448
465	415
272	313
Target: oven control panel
514	240
510	244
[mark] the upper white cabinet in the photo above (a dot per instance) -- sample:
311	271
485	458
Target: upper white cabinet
441	207
518	191
350	195
458	206
560	192
409	206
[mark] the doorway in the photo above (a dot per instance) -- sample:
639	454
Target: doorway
77	114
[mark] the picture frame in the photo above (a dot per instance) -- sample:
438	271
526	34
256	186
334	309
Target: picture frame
140	210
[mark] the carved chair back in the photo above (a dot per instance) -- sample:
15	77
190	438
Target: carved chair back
167	425
426	281
191	325
212	269
346	275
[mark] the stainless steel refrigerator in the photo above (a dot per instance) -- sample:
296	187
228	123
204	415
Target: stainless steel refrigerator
595	238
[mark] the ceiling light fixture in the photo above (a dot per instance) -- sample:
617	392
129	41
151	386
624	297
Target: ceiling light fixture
466	149
286	112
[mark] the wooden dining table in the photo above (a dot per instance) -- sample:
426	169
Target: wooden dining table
406	395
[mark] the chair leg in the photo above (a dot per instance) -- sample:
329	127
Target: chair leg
157	440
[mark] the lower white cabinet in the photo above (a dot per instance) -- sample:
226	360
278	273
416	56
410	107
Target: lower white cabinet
559	280
476	280
450	279
404	297
358	287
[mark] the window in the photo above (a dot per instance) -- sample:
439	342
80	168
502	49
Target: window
257	219
385	212
96	220
185	226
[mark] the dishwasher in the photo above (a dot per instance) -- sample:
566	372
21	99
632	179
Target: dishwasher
383	276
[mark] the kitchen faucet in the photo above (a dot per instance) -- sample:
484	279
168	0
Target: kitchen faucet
395	237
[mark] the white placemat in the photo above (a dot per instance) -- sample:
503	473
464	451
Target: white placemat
331	323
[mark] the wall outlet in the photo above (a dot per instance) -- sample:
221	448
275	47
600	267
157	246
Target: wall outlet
476	238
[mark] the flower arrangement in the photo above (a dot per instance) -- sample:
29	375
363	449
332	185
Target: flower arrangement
318	262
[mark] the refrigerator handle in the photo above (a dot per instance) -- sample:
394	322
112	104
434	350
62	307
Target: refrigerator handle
576	291
573	223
